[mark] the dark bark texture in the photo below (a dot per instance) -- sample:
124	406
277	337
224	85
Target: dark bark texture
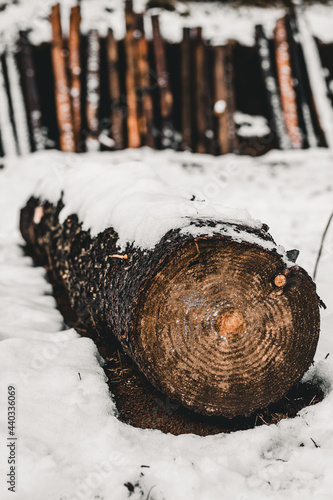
220	326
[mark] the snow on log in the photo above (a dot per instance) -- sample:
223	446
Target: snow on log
212	311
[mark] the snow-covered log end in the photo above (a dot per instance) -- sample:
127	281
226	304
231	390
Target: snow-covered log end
212	311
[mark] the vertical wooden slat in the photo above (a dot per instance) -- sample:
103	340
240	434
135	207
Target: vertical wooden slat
200	93
220	106
28	73
272	93
17	99
137	34
231	99
163	82
62	95
93	90
304	112
321	106
147	118
8	140
75	70
134	140
186	111
303	90
287	92
114	91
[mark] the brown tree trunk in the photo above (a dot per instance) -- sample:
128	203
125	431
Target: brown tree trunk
217	323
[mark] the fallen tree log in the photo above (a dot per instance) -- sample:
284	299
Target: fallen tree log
213	313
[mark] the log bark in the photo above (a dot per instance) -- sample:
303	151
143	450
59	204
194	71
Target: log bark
221	325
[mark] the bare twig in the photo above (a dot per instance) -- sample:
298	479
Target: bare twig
321	245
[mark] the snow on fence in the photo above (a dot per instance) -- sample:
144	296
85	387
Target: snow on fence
88	92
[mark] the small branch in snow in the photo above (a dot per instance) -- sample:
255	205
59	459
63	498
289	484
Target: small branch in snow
314	442
322	245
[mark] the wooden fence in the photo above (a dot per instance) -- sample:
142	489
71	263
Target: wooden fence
89	93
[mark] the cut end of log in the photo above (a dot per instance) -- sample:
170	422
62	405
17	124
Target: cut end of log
280	280
219	333
232	323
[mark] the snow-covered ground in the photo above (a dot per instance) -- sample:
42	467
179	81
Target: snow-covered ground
70	445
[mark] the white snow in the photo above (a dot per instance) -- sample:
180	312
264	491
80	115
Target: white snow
141	202
251	125
70	443
220	106
219	22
